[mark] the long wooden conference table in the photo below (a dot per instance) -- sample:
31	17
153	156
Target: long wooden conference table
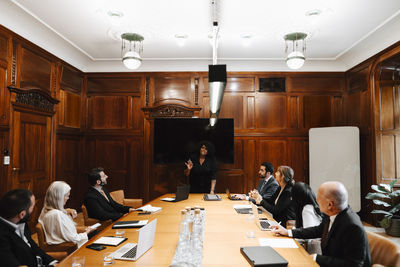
225	233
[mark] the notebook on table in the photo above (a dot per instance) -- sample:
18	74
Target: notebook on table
263	256
262	223
133	251
211	197
182	193
129	224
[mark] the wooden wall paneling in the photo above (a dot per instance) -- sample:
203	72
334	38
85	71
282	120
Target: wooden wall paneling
388	157
70	109
68	167
35	69
71	79
4	97
316	111
298	158
111	153
108	112
294	118
232	107
337	111
113	84
236	83
271	111
274	151
4	185
231	179
250	168
397	154
386	106
249	114
353	102
173	90
136	114
316	82
136	176
5	75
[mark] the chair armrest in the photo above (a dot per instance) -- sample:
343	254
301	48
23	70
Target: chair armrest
81	229
67	247
133	202
58	255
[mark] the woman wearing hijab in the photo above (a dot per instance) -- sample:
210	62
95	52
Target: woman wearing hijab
56	221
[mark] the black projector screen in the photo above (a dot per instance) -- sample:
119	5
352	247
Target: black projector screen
176	139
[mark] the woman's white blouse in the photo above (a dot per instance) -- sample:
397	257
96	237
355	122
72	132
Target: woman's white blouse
309	217
59	227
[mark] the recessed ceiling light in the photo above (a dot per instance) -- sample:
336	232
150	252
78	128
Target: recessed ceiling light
115	14
246	38
181	39
114	17
314	12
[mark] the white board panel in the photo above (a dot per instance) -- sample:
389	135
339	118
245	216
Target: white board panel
335	156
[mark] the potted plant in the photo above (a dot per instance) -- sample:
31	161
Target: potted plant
385	196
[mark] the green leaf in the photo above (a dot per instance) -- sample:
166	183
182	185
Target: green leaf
378	189
376	195
385	223
395	209
392	183
380	202
386	213
385	187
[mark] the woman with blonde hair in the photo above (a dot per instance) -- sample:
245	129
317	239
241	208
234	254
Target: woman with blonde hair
56	221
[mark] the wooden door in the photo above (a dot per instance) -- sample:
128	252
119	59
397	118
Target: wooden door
31	149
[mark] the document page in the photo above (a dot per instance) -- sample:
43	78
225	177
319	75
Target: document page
278	242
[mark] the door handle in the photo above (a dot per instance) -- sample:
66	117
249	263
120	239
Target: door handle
15	169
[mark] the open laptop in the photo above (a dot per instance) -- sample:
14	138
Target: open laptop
262	223
182	193
133	251
231	197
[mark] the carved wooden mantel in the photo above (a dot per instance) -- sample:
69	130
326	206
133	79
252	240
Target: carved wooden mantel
32	98
171	111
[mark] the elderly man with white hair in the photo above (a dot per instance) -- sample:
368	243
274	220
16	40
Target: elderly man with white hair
343	238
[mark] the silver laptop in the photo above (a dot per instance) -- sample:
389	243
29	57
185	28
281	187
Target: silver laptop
262	223
133	251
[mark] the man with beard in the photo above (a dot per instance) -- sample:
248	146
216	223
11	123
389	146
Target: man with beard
98	201
16	245
267	185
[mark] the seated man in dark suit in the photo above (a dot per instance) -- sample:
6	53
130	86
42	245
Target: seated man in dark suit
343	238
99	204
267	185
16	245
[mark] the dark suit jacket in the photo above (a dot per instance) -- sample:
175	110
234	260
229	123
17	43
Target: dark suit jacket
283	210
346	243
267	191
14	251
99	208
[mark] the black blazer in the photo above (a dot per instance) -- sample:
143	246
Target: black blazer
99	208
283	210
346	243
14	251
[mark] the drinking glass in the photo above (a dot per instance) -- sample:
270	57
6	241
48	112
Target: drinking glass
119	233
78	261
108	259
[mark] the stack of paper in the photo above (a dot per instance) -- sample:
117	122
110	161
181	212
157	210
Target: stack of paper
149	208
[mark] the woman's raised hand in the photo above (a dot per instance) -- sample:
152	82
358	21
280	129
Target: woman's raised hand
189	164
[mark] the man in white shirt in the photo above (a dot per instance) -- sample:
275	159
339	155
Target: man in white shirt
343	238
16	245
267	185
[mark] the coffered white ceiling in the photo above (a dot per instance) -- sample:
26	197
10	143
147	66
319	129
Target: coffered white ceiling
82	33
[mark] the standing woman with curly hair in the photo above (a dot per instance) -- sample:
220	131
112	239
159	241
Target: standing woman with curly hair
202	169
